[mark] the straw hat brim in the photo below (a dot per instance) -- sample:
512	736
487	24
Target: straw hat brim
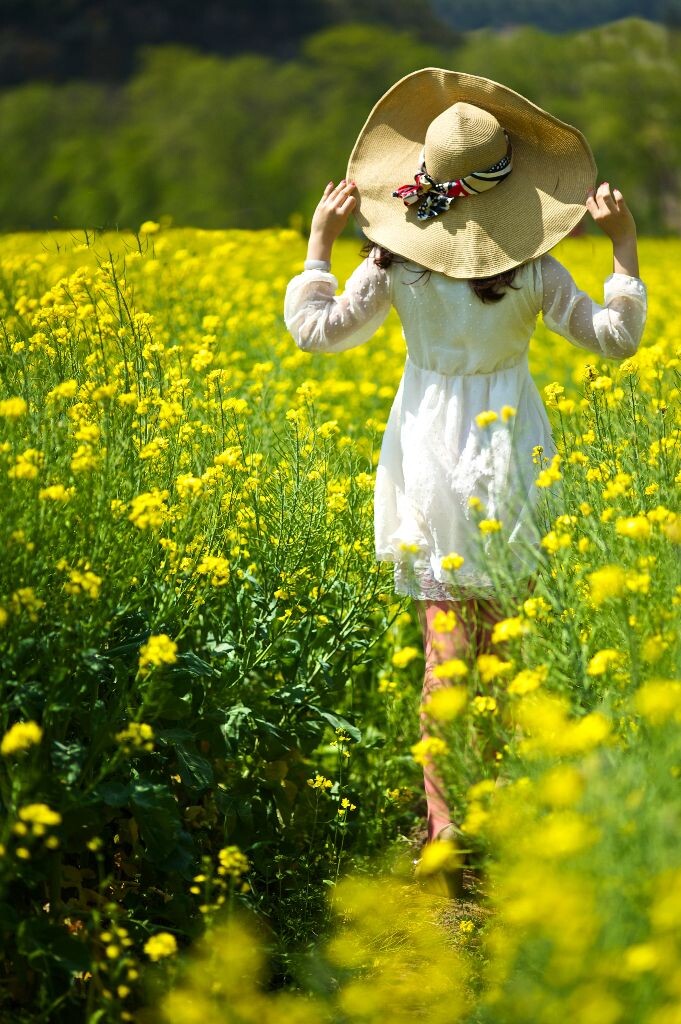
525	215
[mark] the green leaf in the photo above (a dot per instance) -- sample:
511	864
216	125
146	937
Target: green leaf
39	937
112	793
157	816
67	760
195	771
8	917
338	722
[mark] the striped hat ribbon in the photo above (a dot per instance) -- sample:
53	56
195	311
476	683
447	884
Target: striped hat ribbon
435	197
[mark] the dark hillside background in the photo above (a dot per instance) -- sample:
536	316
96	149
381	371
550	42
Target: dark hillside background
553	17
59	40
237	114
98	39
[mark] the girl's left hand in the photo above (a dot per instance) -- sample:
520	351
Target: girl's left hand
332	212
611	212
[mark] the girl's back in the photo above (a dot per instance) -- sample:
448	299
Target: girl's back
448	329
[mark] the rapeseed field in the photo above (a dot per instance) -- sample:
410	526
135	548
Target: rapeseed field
210	691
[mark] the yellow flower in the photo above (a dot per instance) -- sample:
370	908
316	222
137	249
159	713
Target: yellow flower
561	786
328	429
636	527
509	629
605	583
475	503
550	474
619	486
452	561
233	862
489	525
217	568
672	528
39	814
475	819
507	411
149	509
12	408
602	661
320	782
555	541
136	734
444	622
653	647
440	856
401	658
346	805
387	685
446	703
25	599
83	583
490	667
20	736
483	419
638	582
27	465
659	699
454	668
552	392
149	227
563	833
160	945
158	650
56	492
586	732
483	703
425	749
642	957
528	679
67	389
535	606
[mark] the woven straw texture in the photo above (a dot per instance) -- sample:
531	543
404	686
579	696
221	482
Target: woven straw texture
523	216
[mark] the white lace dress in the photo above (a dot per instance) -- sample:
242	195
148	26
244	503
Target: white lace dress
463	357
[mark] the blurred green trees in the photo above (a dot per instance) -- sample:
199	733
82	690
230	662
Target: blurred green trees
251	141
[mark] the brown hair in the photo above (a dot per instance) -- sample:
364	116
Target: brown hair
486	288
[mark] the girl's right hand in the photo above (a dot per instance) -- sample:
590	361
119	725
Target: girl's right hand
333	211
611	212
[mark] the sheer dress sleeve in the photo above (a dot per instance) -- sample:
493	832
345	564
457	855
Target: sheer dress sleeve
613	329
321	321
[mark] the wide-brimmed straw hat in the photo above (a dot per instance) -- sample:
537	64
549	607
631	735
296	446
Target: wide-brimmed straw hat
465	176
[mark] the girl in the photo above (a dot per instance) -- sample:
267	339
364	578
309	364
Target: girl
462	254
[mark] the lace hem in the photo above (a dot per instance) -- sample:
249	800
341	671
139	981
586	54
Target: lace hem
418	581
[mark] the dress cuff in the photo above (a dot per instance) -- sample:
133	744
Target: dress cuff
318	265
624	284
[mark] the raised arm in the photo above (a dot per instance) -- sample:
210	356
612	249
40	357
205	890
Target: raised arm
321	321
614	329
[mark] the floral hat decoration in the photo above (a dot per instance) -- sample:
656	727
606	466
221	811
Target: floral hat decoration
465	176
